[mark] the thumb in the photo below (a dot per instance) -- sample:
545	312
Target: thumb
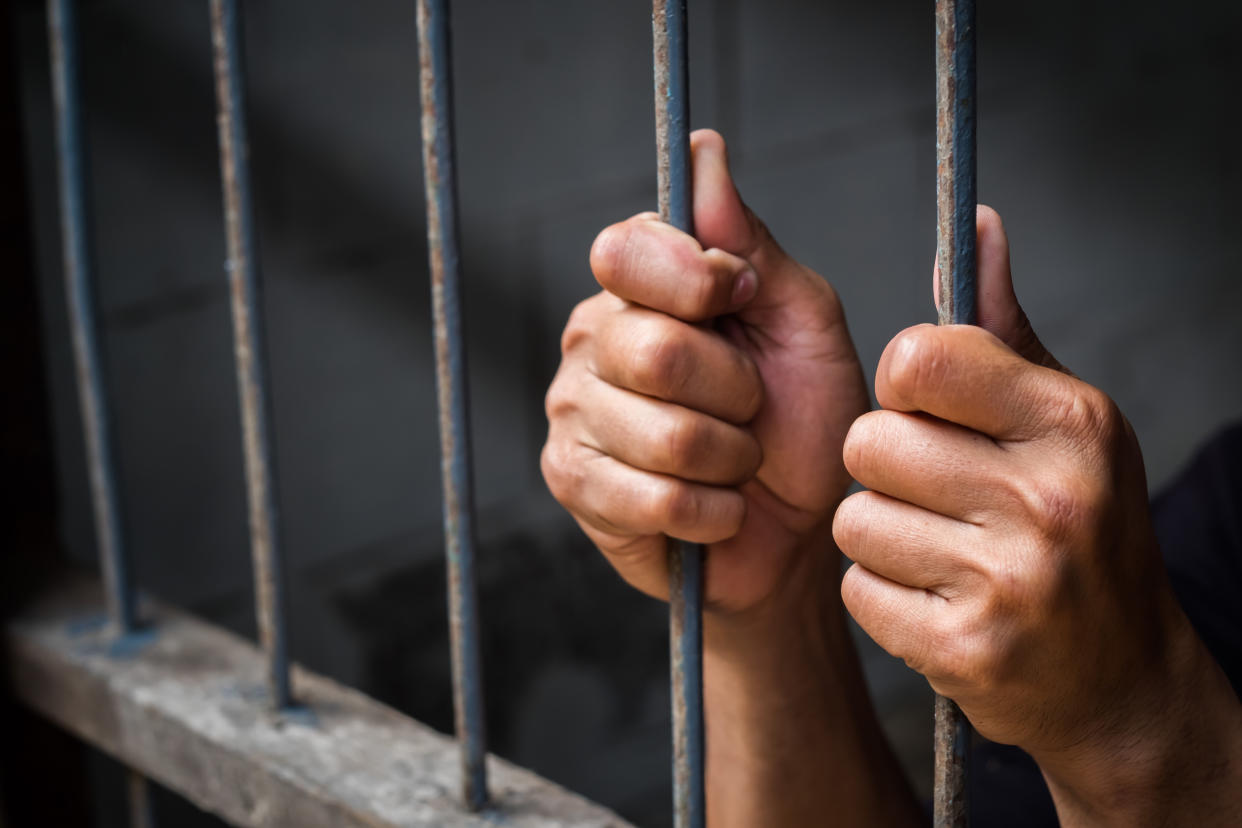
997	304
721	220
790	296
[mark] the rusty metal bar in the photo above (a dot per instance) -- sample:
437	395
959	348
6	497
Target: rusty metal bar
79	264
956	190
440	181
672	107
956	196
184	710
246	294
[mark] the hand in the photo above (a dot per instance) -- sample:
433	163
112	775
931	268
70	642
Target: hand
704	395
1004	550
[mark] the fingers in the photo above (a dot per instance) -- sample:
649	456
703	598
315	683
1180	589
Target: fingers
623	502
927	462
656	436
965	375
645	261
652	354
905	621
906	544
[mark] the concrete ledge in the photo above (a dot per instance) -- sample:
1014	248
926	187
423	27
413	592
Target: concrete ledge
184	704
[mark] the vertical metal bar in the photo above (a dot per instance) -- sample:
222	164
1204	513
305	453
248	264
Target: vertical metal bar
80	292
672	106
440	180
956	195
79	266
956	190
141	813
245	289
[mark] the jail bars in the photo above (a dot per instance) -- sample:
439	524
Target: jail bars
78	256
250	357
685	567
440	183
956	194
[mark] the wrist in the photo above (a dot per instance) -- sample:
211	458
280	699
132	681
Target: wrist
790	725
1174	755
799	624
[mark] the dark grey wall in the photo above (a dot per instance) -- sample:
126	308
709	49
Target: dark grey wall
1109	138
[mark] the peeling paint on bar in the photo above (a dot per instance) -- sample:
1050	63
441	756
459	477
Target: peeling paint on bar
956	196
440	178
672	107
956	191
189	710
246	295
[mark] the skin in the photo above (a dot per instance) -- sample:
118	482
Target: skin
711	392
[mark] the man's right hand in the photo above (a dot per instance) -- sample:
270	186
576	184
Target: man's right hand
705	395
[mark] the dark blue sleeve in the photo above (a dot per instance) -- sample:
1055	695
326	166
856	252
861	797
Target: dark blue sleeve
1198	522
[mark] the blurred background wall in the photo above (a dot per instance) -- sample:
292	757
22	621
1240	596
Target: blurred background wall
1109	140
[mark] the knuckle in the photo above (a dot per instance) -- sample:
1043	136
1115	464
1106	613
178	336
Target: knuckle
685	443
674	504
702	291
1024	590
849	525
1061	506
711	287
858	441
608	251
562	475
854	596
1011	586
919	361
1091	420
558	402
660	359
579	326
969	652
1078	412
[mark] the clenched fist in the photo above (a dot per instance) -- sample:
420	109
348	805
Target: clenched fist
705	395
1004	550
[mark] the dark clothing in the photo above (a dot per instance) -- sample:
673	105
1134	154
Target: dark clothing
1198	521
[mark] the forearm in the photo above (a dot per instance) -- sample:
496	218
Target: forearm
791	734
1178	763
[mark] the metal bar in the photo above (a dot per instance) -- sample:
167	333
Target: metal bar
672	107
181	711
956	196
440	181
79	266
956	190
80	293
246	294
141	812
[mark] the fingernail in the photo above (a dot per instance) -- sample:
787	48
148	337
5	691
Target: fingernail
744	287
